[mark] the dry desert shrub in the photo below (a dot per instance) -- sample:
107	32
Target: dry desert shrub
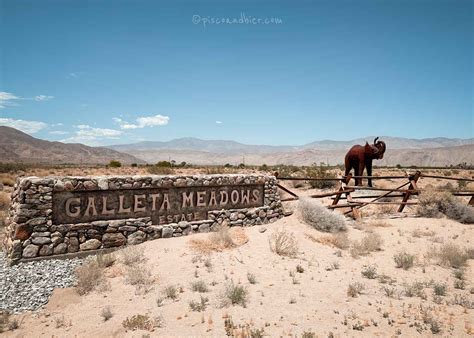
379	224
369	271
158	170
319	217
385	209
415	289
452	255
223	238
420	233
463	300
89	276
105	260
434	204
355	289
4	200
234	295
3	216
4	320
200	305
106	313
199	286
242	330
320	172
251	278
140	277
171	292
439	289
369	243
142	322
7	179
283	243
404	260
340	240
133	255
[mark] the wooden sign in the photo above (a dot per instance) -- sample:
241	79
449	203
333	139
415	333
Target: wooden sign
163	205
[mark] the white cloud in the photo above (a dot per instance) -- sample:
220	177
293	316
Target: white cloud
6	99
29	127
143	121
88	131
43	97
58	132
90	135
218	122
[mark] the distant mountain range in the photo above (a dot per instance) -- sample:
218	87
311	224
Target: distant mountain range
423	152
224	146
16	146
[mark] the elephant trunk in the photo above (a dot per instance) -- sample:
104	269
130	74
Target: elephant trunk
381	146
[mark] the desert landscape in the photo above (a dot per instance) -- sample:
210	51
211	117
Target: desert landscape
387	274
236	168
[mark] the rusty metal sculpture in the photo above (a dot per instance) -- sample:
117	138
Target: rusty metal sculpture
360	157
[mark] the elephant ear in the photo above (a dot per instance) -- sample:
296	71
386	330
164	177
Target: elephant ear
370	149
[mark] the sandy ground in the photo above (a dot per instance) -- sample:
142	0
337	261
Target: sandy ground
282	302
315	300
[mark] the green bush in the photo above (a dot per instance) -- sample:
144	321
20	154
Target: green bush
165	164
320	172
115	164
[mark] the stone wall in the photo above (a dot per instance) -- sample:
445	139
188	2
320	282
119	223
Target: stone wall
31	232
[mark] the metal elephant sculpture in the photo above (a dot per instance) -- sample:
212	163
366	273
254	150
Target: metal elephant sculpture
360	157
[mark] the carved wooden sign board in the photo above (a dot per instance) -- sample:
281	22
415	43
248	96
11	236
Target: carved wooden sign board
163	205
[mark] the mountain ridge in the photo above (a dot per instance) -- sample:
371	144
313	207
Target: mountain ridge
193	143
17	146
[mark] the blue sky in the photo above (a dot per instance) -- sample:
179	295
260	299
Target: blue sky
111	72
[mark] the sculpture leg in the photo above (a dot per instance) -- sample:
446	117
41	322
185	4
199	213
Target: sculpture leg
369	171
361	172
356	173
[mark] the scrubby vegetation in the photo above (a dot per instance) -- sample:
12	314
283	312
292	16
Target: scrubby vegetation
199	305
139	276
4	200
106	313
115	164
7	323
319	217
435	204
159	170
283	243
221	239
404	260
132	255
452	255
321	171
369	243
355	289
339	240
234	295
142	322
90	276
